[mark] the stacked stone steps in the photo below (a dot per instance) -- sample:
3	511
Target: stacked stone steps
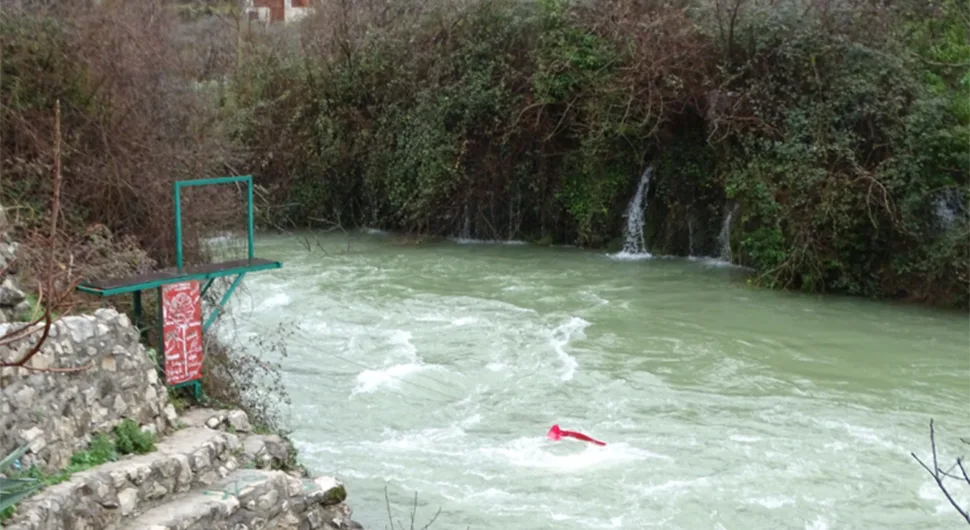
200	476
261	450
251	499
101	497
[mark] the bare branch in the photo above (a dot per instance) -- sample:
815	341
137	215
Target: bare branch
413	514
48	291
938	475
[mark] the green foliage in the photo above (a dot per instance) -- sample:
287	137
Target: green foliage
29	45
837	138
689	217
840	195
574	69
34	76
592	187
130	439
937	34
14	489
377	144
569	59
102	449
843	140
131	123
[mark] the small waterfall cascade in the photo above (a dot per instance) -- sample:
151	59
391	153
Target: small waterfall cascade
466	228
633	242
724	237
948	209
690	236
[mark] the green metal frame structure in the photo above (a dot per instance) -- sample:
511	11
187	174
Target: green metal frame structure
207	273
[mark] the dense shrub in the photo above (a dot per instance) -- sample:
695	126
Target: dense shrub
822	123
836	131
133	122
841	176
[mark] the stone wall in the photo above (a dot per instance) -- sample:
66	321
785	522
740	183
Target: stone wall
56	412
13	303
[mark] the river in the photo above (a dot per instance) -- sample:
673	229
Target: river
437	369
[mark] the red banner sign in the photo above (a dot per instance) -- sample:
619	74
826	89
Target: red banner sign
182	332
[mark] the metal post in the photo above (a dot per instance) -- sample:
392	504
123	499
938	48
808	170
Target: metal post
225	298
161	335
205	288
251	222
138	315
178	225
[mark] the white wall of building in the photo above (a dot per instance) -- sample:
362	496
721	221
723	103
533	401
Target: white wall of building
290	13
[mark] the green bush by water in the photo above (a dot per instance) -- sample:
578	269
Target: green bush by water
836	139
839	141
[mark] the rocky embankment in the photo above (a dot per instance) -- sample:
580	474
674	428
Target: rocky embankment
13	301
207	470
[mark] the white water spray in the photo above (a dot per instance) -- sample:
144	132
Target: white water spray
948	208
466	229
634	244
724	237
690	237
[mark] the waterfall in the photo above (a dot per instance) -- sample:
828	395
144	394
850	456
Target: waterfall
948	207
690	236
466	229
724	238
633	242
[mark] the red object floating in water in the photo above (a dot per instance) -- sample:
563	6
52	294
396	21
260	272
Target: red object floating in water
555	433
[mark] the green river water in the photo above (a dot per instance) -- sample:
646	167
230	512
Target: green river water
438	369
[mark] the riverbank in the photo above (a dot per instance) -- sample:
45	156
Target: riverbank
109	450
96	440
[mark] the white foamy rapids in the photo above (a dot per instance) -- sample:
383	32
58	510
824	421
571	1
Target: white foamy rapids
472	241
595	298
401	341
276	301
819	523
771	502
560	338
930	491
390	377
711	262
701	419
221	237
423	440
565	456
623	255
463	321
393	374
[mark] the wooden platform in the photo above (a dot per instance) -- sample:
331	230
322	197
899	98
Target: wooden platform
112	286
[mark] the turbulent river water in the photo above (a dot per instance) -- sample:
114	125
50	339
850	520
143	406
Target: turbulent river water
437	369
